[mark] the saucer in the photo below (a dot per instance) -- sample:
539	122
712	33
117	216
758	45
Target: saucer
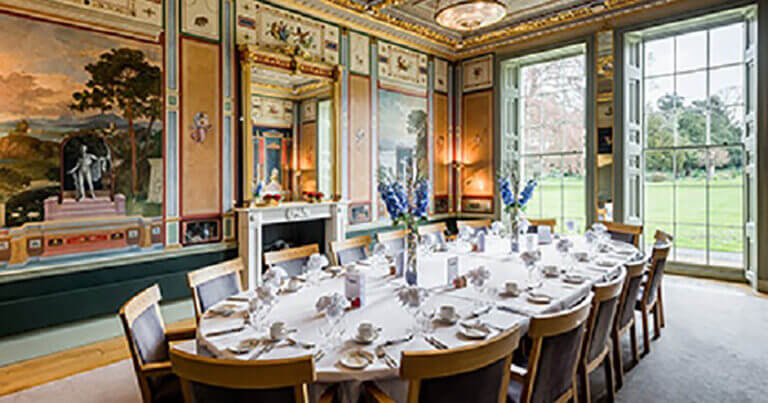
551	273
606	263
244	346
473	332
447	321
537	298
574	278
507	294
359	340
356	359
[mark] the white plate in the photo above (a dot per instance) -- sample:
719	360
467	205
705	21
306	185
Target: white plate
447	321
244	346
356	359
473	332
574	278
606	263
539	298
359	340
507	294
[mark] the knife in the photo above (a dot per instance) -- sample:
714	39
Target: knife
226	331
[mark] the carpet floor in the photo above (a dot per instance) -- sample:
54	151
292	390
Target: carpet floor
713	349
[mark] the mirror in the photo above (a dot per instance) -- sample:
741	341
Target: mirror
290	126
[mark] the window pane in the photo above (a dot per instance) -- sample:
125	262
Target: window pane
691	243
550	183
726	45
573	186
531	169
691	88
691	51
727	85
726	236
659	186
692	116
691	187
531	139
659	94
659	57
726	124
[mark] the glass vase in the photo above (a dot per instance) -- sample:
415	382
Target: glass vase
412	255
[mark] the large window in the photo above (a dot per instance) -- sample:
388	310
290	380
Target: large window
694	86
550	102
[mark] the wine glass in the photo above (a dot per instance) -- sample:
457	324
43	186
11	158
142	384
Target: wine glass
535	278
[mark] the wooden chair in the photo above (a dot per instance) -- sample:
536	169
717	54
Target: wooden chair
597	340
293	259
437	230
662	237
475	373
148	343
395	240
351	250
624	232
625	317
212	284
649	298
534	224
476	225
557	341
205	379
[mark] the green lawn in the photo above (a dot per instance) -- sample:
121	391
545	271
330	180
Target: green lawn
666	203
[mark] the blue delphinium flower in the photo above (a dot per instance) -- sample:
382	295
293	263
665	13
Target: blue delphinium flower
527	192
421	204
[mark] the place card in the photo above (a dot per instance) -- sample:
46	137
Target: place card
452	269
355	288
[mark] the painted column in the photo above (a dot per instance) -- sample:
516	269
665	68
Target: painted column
172	126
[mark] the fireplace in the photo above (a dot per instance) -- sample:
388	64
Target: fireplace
296	223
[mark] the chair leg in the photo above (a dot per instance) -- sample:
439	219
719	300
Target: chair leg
610	379
657	320
575	388
646	333
617	364
633	342
583	388
661	307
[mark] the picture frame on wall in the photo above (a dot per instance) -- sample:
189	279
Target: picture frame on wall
477	73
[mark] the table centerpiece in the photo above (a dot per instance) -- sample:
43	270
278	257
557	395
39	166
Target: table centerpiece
514	201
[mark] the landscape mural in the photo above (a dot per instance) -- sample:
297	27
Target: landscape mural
80	122
402	133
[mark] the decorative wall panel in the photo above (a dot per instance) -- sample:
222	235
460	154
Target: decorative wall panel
201	18
200	129
477	183
399	66
441	75
309	110
133	17
478	73
359	53
443	156
273	112
360	158
307	155
273	28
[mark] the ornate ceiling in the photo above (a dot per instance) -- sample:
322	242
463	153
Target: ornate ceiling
412	21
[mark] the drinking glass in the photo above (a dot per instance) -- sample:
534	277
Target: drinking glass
535	278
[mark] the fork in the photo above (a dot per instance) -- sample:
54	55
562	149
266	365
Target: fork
382	355
301	344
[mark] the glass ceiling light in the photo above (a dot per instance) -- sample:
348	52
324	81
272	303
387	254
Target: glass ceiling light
465	15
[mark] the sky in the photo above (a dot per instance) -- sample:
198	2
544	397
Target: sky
41	65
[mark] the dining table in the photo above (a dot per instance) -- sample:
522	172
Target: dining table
224	329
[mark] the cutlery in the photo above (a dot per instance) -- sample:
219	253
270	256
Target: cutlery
398	341
236	298
435	343
510	309
226	331
479	312
318	355
269	347
301	344
382	355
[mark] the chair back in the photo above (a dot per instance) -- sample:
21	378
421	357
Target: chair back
655	272
556	347
437	231
474	373
630	291
394	240
292	259
534	224
476	225
602	317
145	330
205	379
624	232
212	284
351	250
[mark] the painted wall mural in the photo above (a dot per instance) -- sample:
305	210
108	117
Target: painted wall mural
441	75
274	112
477	176
201	18
292	33
81	133
401	67
478	73
402	133
359	53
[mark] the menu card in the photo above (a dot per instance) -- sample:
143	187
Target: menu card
355	287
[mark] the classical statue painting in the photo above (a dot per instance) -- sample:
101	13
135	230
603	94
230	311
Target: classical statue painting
80	123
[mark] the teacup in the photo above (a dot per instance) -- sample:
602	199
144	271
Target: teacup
278	330
447	312
511	287
581	256
549	270
366	331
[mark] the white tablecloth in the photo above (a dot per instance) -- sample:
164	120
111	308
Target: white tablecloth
382	308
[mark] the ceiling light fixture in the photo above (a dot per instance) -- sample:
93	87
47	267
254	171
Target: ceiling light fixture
466	15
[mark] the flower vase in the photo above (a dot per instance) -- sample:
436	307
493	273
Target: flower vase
412	256
514	232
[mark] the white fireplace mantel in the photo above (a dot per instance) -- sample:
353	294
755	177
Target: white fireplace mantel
251	221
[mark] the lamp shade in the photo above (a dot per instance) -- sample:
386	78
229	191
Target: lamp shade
465	15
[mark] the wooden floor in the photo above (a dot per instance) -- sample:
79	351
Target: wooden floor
37	371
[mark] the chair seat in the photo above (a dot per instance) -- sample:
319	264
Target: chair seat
514	391
166	389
